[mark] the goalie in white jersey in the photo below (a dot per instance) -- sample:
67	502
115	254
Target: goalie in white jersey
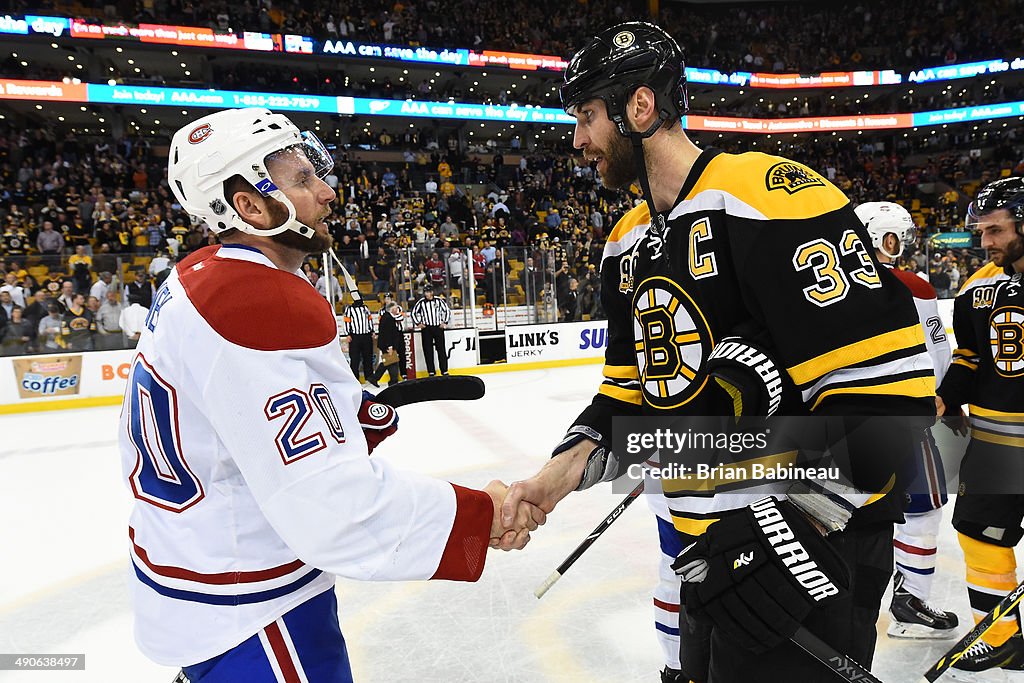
244	435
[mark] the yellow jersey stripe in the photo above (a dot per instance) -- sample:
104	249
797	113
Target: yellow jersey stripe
691	483
966	363
692	527
857	352
619	394
989	270
916	387
638	215
988	412
998	439
621	372
755	185
881	494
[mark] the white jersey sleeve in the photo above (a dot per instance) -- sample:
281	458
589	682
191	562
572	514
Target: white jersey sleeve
935	337
241	445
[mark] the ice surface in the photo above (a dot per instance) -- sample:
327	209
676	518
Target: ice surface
65	569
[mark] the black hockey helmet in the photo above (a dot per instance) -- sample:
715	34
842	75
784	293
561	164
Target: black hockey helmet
1005	193
621	59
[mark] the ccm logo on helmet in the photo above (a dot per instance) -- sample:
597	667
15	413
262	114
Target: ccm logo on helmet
199	133
791	551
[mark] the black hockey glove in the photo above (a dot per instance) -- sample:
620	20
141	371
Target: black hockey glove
956	420
758	573
747	371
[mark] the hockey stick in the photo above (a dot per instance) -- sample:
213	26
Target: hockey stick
349	281
588	541
954	654
843	666
444	388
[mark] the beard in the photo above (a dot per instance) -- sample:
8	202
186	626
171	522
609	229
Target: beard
618	162
314	244
1014	252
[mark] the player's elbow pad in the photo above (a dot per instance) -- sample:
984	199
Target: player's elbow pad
749	374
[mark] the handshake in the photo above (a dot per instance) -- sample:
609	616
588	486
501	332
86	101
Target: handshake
513	531
522	507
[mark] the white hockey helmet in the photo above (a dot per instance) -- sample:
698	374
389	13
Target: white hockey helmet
232	142
881	218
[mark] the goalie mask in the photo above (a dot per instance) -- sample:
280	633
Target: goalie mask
1005	193
264	148
882	218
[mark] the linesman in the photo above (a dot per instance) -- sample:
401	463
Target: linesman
360	338
432	315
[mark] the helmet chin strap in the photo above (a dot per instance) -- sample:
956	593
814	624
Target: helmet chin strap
892	256
658	226
291	223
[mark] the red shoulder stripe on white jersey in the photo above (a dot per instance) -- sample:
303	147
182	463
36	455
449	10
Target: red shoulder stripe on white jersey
917	286
258	306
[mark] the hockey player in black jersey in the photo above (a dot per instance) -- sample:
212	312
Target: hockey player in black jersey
743	285
987	374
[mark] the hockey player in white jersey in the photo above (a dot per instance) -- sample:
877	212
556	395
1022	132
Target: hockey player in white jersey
891	228
244	436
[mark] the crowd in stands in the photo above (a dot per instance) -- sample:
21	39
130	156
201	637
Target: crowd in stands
89	228
774	37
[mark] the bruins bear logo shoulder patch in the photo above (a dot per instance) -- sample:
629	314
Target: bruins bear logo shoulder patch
791	177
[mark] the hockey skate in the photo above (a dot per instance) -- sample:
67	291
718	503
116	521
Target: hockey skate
915	618
983	657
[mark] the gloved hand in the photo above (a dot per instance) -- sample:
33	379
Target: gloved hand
756	574
378	420
953	417
750	375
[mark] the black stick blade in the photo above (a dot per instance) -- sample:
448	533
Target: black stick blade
444	388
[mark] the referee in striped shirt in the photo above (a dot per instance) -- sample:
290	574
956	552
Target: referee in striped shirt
360	338
432	315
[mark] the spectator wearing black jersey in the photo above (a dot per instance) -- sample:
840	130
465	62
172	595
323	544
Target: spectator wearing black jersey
78	325
360	339
432	314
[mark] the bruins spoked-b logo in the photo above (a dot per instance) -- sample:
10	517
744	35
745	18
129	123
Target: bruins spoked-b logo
672	340
623	39
1006	337
791	177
